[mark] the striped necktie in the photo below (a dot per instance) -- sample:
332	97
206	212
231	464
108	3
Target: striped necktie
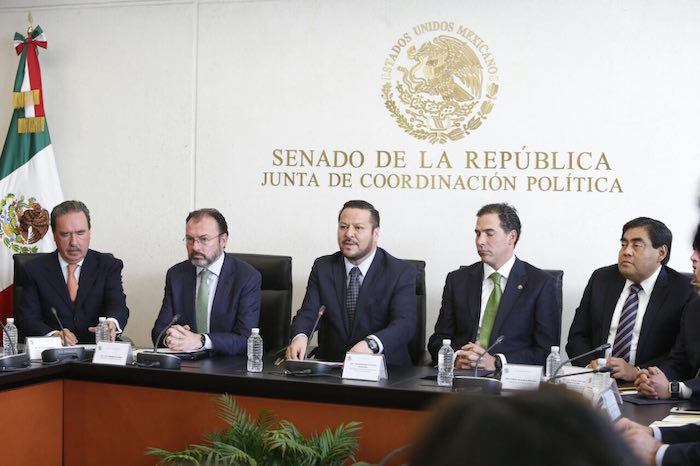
352	293
625	328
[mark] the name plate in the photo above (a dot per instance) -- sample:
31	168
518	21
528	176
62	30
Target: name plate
578	383
115	354
521	377
608	402
360	366
35	345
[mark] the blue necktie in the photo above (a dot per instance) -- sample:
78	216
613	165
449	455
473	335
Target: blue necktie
352	294
625	328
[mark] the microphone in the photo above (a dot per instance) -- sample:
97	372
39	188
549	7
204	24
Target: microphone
321	310
488	350
156	359
53	355
590	371
468	383
14	360
602	347
63	335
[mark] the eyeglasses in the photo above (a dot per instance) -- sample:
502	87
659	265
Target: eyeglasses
203	240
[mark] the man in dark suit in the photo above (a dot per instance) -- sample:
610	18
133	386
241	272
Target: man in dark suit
81	284
216	296
683	362
369	295
635	306
501	295
665	446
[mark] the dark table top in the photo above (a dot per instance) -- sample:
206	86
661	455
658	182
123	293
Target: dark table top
409	388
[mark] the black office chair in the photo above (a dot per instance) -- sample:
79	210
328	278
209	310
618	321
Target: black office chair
558	279
21	259
275	298
416	347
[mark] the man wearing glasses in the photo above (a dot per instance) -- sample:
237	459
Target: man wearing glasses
216	295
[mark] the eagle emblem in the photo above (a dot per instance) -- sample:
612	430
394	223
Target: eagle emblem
23	223
439	91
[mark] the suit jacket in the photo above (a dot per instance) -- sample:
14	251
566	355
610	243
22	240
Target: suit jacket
683	362
100	293
684	449
235	309
528	315
591	323
386	307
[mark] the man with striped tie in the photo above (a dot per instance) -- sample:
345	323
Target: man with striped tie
635	306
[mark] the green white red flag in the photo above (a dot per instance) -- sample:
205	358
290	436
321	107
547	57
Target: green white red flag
29	184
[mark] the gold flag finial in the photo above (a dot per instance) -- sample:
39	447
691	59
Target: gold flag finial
30	20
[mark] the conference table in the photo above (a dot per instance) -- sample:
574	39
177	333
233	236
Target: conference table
79	413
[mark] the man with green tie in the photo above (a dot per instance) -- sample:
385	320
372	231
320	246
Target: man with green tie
498	296
215	295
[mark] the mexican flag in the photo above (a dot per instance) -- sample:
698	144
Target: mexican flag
29	184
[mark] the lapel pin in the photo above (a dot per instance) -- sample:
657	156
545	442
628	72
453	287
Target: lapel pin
520	287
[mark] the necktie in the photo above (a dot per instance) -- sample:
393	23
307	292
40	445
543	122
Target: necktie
491	310
625	328
72	283
203	301
352	294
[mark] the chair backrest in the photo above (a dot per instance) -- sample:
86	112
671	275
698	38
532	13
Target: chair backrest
275	297
20	279
691	280
558	279
416	347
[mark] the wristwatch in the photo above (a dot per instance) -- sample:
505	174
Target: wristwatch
371	342
498	363
675	389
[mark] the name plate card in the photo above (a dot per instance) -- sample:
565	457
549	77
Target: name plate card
360	366
521	377
35	345
608	402
115	354
578	383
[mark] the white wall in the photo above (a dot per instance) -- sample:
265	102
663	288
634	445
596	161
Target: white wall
159	107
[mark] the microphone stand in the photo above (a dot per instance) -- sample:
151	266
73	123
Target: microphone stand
305	366
156	359
52	355
602	347
479	384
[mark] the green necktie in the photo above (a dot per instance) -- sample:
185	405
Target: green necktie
203	301
491	310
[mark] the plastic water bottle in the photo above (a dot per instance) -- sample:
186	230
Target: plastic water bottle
102	331
446	364
601	381
553	363
8	348
255	351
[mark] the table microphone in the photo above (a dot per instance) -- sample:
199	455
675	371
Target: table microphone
14	360
488	350
602	347
468	383
305	366
321	310
63	335
590	371
53	355
156	359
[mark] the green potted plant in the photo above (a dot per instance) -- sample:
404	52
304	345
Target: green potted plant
265	441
